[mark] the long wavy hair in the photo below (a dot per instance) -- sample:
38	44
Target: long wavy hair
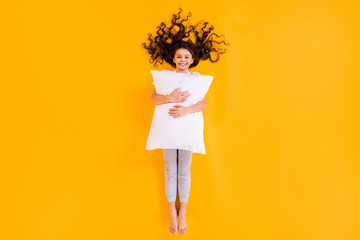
200	43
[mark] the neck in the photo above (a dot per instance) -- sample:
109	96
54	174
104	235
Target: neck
182	71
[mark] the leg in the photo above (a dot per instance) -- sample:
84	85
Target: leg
185	159
170	157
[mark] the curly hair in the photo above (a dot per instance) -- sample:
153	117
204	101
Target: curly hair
168	39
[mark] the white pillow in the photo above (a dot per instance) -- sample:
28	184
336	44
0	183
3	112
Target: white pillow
185	132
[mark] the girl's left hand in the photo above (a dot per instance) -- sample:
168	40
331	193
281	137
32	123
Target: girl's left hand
178	111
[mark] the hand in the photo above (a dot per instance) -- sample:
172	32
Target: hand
178	111
177	96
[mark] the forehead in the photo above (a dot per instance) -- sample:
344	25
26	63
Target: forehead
182	51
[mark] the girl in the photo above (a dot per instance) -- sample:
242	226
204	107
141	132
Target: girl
170	45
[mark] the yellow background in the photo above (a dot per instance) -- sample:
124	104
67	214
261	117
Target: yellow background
281	126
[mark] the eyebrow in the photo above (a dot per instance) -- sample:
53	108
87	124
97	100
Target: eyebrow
185	54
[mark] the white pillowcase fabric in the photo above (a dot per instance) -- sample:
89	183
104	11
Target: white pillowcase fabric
186	132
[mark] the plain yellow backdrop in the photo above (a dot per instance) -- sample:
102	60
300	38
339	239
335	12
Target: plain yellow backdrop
281	126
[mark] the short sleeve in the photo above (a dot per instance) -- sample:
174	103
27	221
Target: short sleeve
152	77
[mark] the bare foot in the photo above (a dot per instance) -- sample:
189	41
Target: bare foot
182	221
173	220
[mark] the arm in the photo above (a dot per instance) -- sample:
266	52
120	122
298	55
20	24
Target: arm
175	96
197	106
179	111
159	99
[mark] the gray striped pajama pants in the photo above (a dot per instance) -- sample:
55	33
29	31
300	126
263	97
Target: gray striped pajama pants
177	173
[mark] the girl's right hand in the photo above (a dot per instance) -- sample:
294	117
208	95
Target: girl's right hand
177	96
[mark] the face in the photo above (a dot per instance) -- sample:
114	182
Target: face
183	59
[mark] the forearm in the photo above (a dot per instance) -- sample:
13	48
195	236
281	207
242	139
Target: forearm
198	106
160	99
